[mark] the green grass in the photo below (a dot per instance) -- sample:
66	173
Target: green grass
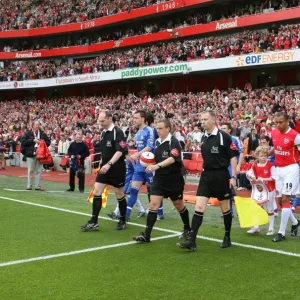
151	271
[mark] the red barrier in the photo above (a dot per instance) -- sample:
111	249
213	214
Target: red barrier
160	36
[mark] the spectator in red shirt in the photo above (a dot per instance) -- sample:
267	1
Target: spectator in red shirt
287	43
243	181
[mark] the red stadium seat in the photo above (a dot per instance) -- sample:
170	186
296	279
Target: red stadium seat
192	168
199	157
186	163
199	167
194	156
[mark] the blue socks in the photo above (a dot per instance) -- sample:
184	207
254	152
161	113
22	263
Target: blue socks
131	201
296	202
161	209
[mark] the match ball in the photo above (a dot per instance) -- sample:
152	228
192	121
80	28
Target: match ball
147	159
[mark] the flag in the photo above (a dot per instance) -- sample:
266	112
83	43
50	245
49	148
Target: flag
104	196
250	213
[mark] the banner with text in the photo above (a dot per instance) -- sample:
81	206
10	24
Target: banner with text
227	63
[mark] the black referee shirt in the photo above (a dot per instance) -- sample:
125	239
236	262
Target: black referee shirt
217	150
170	147
112	140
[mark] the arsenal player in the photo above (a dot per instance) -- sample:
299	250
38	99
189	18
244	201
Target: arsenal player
285	149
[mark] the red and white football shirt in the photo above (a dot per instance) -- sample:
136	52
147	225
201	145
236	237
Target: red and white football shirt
285	149
266	171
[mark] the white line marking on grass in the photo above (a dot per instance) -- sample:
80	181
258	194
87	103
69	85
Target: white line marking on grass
25	176
12	190
46	257
156	228
81	213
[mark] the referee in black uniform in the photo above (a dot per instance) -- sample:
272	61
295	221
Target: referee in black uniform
168	180
217	152
112	170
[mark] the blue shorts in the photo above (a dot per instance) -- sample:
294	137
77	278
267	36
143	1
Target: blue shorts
142	176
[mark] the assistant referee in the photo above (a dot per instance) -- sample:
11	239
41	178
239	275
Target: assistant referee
112	170
168	180
217	152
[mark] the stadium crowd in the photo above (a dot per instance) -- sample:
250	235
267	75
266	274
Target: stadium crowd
184	20
250	112
18	15
284	38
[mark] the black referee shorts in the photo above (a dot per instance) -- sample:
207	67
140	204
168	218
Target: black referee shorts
215	183
169	186
115	175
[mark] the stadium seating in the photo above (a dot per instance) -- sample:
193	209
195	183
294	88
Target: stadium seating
255	41
54	12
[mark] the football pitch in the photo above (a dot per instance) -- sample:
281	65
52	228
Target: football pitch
45	255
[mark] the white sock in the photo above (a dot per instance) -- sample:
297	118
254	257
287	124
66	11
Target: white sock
285	215
116	211
271	222
293	219
140	206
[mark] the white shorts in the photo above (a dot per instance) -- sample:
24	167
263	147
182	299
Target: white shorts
269	206
287	180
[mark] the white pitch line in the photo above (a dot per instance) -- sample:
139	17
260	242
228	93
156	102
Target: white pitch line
11	190
156	228
46	257
82	214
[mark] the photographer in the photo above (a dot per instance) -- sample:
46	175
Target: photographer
11	146
78	152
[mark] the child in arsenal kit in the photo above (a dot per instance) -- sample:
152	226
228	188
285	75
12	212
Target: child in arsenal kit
263	172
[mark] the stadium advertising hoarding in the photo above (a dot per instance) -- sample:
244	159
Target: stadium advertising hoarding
155	37
227	63
154	70
124	16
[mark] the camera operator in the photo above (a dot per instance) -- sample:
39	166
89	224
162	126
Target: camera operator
78	151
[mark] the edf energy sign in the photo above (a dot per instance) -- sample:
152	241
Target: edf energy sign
266	58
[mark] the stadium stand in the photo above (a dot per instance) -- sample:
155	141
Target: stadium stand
284	37
250	108
18	15
21	14
191	18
